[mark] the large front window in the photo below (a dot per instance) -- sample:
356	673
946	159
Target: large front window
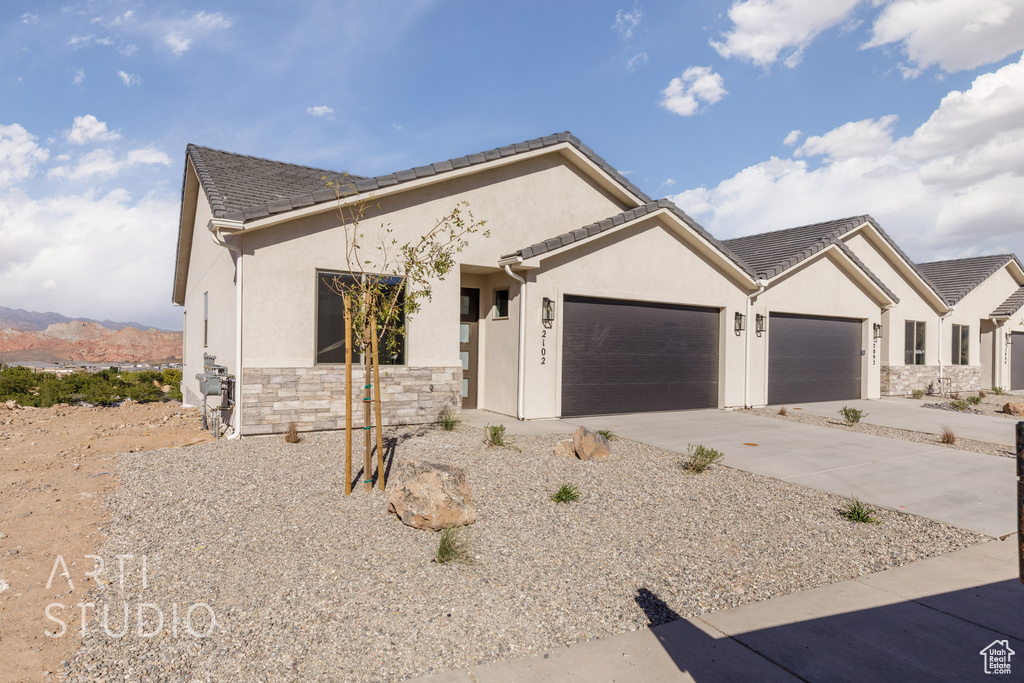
961	344
914	350
330	322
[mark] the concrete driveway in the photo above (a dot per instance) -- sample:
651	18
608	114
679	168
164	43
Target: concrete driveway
969	490
906	413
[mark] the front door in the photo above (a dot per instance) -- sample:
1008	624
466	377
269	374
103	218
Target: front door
469	321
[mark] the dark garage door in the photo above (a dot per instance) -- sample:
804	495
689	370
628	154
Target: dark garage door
813	358
1017	361
630	357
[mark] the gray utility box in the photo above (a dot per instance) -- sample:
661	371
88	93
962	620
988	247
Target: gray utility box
214	379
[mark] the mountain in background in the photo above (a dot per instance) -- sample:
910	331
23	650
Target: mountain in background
83	340
20	319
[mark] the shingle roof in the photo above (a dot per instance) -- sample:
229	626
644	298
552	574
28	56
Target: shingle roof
608	223
243	188
957	278
1011	305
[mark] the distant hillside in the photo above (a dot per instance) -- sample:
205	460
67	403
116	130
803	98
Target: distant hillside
20	319
90	342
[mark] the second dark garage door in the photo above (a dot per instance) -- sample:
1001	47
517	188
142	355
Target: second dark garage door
631	357
813	358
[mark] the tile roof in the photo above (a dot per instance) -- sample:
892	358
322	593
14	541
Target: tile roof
957	278
1011	305
243	187
586	231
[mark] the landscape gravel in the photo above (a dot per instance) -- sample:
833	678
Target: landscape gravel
307	584
970	445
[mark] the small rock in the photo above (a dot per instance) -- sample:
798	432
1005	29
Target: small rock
431	496
590	445
565	448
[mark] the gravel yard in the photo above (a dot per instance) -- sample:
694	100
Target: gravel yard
970	445
306	584
990	404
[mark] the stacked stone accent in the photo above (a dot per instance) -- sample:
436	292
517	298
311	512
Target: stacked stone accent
902	380
314	398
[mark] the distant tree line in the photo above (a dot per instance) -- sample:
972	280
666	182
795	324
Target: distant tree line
104	388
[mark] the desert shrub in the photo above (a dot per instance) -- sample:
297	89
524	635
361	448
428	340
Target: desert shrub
947	436
783	412
856	511
452	547
998	391
145	392
958	404
974	400
917	393
495	435
566	493
981	393
699	458
608	434
447	418
170	376
955	395
852	415
292	435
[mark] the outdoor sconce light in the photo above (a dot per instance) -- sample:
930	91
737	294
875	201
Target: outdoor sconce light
759	324
547	314
1009	338
741	322
878	330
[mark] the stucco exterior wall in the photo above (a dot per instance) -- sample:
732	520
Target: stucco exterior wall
212	271
972	310
821	287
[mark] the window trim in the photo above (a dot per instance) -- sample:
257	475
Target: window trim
508	304
960	348
357	357
910	342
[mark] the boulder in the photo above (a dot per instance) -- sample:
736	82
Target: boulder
565	448
1014	409
590	445
430	496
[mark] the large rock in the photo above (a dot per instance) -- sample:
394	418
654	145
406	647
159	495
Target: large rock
565	449
1014	409
431	496
590	445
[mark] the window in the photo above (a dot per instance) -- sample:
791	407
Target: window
500	304
914	350
330	323
961	344
206	318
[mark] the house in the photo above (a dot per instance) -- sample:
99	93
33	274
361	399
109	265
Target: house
588	297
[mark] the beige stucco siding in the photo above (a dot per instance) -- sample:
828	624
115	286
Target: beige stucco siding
645	262
522	203
972	310
822	287
212	271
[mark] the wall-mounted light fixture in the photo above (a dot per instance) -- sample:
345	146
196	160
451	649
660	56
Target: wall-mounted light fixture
759	321
878	330
740	323
547	313
1009	338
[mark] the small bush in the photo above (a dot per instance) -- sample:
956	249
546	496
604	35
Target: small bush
998	391
947	436
495	435
608	434
783	412
955	395
447	418
917	393
699	458
856	511
452	547
852	415
974	400
958	404
566	493
981	393
292	435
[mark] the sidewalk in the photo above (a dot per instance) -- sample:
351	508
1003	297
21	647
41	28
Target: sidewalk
924	621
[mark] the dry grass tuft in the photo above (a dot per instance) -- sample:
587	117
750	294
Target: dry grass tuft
292	435
947	436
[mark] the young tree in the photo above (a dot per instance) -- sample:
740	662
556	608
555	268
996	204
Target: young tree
386	284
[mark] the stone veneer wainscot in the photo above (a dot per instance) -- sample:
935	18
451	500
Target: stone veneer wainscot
902	380
314	398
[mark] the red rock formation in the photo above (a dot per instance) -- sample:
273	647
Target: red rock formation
90	342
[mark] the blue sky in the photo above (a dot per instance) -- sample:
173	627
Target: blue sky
752	115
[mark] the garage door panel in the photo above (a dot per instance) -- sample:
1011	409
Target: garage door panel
813	358
1017	361
621	356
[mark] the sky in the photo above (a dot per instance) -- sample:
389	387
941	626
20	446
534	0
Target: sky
752	115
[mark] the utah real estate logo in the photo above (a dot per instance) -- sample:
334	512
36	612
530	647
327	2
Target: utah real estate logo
997	657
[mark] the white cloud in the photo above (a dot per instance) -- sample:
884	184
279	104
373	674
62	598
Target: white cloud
321	110
123	19
954	34
949	189
181	33
178	43
105	163
636	60
766	31
79	76
698	84
792	138
129	79
19	154
89	41
27	18
669	182
626	21
89	129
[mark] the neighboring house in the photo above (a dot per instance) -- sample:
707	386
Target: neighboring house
587	298
984	295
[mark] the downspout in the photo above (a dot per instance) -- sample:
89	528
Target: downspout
1000	350
520	367
941	365
215	227
746	343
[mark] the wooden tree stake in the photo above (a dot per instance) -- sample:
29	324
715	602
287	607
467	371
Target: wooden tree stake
367	419
376	402
348	395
